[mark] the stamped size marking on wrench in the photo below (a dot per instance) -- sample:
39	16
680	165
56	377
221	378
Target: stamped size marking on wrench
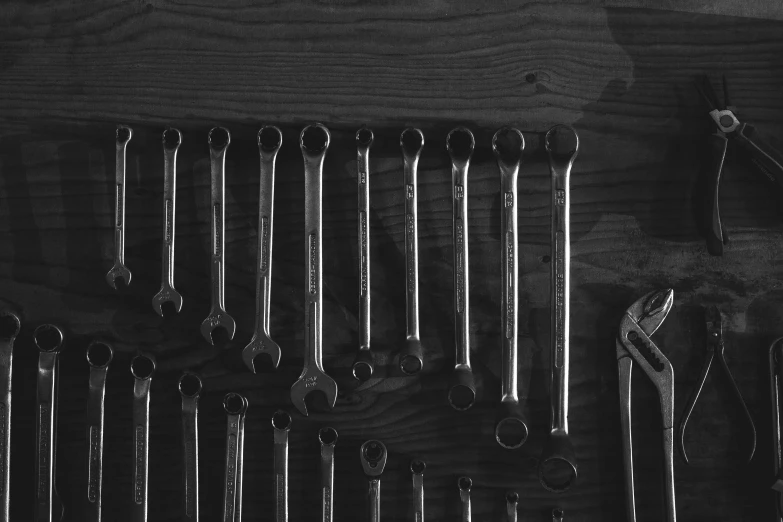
119	270
314	142
373	456
235	406
190	390
411	355
269	141
363	366
417	469
512	499
9	329
328	438
49	340
142	369
99	357
167	294
464	484
281	422
219	139
462	388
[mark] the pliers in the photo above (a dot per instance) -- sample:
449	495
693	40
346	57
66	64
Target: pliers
768	160
641	321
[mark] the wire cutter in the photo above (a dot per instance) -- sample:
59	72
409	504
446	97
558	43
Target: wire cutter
634	345
715	347
768	160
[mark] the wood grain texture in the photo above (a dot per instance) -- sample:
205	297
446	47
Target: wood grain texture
620	76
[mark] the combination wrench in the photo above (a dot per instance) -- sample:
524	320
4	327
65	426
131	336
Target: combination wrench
363	366
417	471
269	141
512	500
49	340
411	355
562	146
328	438
9	329
142	369
235	406
464	484
219	140
119	270
190	389
99	357
373	456
462	388
314	142
281	422
172	139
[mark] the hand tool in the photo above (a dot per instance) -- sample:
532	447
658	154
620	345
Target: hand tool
715	346
314	142
190	389
142	368
512	499
119	270
363	366
411	355
219	140
640	322
48	506
462	388
768	160
269	141
776	374
562	146
235	406
172	139
99	357
464	484
328	438
557	515
281	422
417	469
9	329
510	429
373	456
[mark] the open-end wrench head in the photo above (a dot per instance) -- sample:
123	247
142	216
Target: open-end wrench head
412	142
99	354
48	338
270	139
364	366
9	325
460	144
190	385
234	404
510	428
261	346
411	360
143	366
313	380
218	319
508	144
462	389
314	140
557	469
166	295
118	271
562	145
373	456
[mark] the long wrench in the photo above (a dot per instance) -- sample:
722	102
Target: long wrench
328	438
314	142
462	388
464	484
417	469
99	357
269	141
119	270
235	406
281	422
219	140
373	456
363	366
9	329
512	499
411	355
142	369
172	139
190	389
562	145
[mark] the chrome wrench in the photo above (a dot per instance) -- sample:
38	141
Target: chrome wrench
119	270
167	293
190	389
562	145
235	406
411	355
462	388
373	456
512	499
557	515
464	484
142	369
417	469
281	422
510	429
314	142
219	140
99	357
328	438
9	329
269	141
363	366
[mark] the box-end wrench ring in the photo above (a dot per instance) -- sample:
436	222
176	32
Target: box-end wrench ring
281	422
464	484
235	406
328	438
512	500
9	329
417	471
99	357
142	368
190	390
363	365
119	270
373	455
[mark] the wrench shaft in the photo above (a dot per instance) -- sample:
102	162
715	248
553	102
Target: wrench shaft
6	359
459	176
46	436
141	437
281	473
410	180
313	283
95	417
374	500
169	211
265	227
363	179
190	453
510	285
232	490
327	482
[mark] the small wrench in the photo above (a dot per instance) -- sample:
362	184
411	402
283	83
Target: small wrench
142	369
99	356
49	340
219	140
190	389
373	456
314	142
328	438
119	270
269	141
462	388
411	355
9	329
464	484
512	499
235	406
562	145
281	422
417	469
510	429
167	293
363	366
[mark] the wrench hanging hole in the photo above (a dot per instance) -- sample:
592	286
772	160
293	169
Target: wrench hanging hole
99	354
123	135
460	144
234	404
281	420
412	141
314	138
48	338
512	497
364	137
327	436
142	367
465	483
269	138
9	325
219	138
508	144
418	467
410	364
561	141
190	385
171	139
